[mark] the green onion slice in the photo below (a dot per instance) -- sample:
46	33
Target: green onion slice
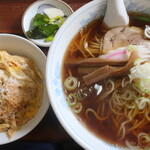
71	99
71	83
78	108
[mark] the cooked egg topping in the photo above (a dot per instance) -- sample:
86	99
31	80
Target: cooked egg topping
21	90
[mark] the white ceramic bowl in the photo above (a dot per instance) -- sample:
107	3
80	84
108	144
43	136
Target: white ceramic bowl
14	44
32	10
80	18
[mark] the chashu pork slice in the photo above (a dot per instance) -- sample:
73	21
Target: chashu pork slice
123	36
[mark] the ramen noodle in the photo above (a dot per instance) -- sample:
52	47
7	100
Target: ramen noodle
21	90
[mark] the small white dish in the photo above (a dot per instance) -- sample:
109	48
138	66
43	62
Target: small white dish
35	8
23	47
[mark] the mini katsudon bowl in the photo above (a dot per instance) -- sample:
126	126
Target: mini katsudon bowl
100	91
23	94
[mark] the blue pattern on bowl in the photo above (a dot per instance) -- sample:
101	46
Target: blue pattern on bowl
138	6
92	15
57	84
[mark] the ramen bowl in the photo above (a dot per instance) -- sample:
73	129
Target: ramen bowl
16	45
72	124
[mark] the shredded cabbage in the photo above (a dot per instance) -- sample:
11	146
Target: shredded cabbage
142	102
140	75
131	48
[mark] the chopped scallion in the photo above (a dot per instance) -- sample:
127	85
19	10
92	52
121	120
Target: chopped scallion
142	18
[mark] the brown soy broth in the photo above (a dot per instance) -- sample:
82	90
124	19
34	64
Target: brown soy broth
103	129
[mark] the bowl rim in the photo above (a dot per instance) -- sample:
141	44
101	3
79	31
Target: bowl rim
49	86
45	98
29	7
